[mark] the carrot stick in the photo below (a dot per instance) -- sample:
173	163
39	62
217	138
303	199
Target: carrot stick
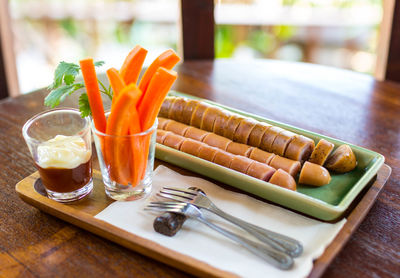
132	65
136	147
116	82
93	92
167	59
118	124
152	100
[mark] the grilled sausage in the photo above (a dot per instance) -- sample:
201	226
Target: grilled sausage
288	165
176	110
232	125
300	148
239	149
166	105
281	142
257	134
261	156
243	131
342	160
188	111
161	135
223	158
176	127
321	152
283	179
198	113
162	122
269	137
174	141
207	152
314	174
207	122
241	163
217	141
196	133
221	122
191	146
260	171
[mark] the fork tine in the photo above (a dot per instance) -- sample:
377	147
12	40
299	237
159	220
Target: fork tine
163	209
166	203
174	197
176	193
186	191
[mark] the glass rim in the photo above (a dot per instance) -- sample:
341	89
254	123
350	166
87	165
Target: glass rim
31	120
143	133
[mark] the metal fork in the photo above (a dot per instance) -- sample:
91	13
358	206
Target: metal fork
274	257
280	242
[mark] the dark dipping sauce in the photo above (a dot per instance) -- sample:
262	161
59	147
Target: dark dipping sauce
66	180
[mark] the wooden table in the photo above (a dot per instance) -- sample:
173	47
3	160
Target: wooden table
342	104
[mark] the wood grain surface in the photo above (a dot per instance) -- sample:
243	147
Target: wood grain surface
342	104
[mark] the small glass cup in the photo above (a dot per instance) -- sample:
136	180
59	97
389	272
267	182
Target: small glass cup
126	162
60	144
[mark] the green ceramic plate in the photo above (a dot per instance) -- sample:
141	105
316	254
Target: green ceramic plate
327	203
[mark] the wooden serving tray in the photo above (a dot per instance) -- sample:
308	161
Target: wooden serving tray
82	214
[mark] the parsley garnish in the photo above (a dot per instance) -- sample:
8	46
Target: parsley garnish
64	85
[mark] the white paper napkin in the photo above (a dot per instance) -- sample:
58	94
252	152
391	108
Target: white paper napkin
214	249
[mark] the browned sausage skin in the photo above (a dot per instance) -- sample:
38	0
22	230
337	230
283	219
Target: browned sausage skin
283	179
260	171
269	137
165	107
261	156
176	127
243	131
300	148
314	174
321	152
281	142
173	140
195	133
288	165
162	122
197	115
191	146
210	114
177	107
161	135
216	141
188	111
257	134
232	125
221	122
239	149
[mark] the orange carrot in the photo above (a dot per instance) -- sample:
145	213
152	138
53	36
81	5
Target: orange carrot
132	65
118	124
136	147
151	102
93	92
116	82
167	59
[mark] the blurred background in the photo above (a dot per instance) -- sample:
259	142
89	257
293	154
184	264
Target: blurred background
339	33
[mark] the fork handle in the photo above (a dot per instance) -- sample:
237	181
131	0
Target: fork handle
274	257
281	242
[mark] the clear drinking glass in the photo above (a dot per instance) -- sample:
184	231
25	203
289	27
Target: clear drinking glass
126	163
60	144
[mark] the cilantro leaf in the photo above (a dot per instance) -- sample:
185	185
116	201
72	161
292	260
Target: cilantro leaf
65	72
99	63
58	95
84	105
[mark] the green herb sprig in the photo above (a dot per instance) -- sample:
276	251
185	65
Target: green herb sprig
64	85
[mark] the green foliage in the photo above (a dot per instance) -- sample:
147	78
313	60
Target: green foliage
224	41
84	105
64	85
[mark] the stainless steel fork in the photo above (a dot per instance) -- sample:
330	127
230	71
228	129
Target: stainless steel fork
278	241
272	256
